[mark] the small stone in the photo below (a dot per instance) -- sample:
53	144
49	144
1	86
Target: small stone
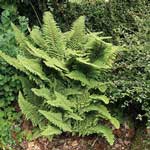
126	142
33	146
74	143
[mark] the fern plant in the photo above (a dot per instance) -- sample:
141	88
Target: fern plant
61	91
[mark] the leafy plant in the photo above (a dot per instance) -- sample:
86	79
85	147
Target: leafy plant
62	92
130	73
9	85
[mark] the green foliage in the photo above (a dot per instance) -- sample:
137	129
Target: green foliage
9	85
128	23
65	65
114	18
130	74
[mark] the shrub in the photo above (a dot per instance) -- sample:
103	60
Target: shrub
130	74
63	94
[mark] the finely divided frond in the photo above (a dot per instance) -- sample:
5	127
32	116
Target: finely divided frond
53	36
56	119
37	37
100	98
105	131
13	62
33	66
29	110
50	131
77	35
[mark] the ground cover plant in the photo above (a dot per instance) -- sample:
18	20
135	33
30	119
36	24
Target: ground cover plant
66	95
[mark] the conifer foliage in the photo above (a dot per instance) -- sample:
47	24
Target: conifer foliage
59	72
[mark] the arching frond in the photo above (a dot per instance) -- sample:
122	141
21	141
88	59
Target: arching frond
56	119
29	110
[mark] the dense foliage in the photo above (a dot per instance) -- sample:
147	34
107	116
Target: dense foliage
64	67
127	22
130	74
9	86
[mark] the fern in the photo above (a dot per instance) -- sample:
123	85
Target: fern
73	116
36	36
12	61
50	131
53	36
78	76
61	102
105	131
77	34
55	64
100	97
56	119
58	101
20	38
100	109
43	92
61	87
33	66
29	110
26	87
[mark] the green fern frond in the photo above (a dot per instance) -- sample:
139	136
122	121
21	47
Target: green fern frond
110	54
18	65
90	65
36	51
42	92
91	83
101	109
37	37
56	64
72	91
78	76
61	101
103	53
100	97
26	86
49	61
53	36
33	66
56	119
115	122
77	34
13	62
100	129
73	116
20	38
50	131
30	111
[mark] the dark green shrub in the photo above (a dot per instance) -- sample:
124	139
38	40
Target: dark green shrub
114	18
131	72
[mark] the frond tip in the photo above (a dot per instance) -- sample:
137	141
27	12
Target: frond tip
53	36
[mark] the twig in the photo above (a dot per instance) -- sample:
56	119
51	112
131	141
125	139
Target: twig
36	13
